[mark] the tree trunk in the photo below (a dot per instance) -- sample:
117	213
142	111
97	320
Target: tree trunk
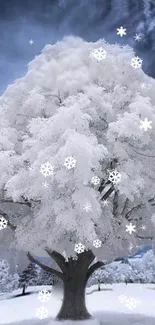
24	288
73	306
75	274
75	279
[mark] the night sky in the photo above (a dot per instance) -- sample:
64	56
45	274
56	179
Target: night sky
46	21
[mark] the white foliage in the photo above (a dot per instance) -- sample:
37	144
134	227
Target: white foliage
70	106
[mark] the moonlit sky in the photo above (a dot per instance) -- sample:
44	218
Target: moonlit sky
46	21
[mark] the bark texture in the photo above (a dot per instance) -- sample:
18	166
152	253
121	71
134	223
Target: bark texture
75	274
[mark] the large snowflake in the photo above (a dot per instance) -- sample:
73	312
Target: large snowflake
99	54
3	223
130	228
70	162
46	169
44	295
114	176
136	62
95	180
79	248
97	243
146	124
41	312
121	31
131	303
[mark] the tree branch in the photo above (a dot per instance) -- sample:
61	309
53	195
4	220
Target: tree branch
147	237
58	258
107	194
45	267
4	215
141	205
125	207
115	204
94	267
10	201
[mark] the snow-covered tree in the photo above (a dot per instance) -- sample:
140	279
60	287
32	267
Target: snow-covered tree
72	137
28	277
8	281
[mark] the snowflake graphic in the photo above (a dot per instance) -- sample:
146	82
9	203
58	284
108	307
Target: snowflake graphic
131	247
95	180
44	295
145	124
41	312
114	176
99	54
3	223
97	243
137	37
31	42
130	228
105	202
143	227
131	303
46	169
121	31
79	248
45	185
122	299
136	62
87	207
70	162
145	85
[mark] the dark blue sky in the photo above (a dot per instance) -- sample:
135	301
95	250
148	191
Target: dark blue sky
46	21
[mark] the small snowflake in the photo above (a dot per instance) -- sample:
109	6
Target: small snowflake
79	248
45	185
31	42
143	227
97	243
130	228
31	168
145	124
46	169
145	85
136	62
131	247
3	223
114	176
137	37
122	299
131	303
41	312
105	202
121	31
99	54
95	180
70	162
44	295
87	207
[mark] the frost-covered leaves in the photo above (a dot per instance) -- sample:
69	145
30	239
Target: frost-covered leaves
64	108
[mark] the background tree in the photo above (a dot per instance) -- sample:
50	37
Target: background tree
69	119
28	277
8	281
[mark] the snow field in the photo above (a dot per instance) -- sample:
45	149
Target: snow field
105	306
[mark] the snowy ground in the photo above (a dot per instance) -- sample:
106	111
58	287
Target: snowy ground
105	306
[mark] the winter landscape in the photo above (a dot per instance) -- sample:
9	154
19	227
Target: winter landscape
77	172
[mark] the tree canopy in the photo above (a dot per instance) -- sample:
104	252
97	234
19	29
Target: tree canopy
67	125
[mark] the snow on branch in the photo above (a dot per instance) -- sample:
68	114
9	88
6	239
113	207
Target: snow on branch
45	267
